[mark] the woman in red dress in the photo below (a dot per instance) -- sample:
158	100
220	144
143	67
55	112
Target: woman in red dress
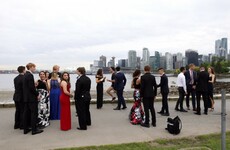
65	119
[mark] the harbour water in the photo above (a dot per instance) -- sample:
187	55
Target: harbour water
6	81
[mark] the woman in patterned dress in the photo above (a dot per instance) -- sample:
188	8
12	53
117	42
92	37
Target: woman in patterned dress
43	104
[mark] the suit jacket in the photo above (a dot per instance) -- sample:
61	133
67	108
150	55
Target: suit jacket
29	91
164	84
148	86
188	77
120	81
202	82
82	88
18	85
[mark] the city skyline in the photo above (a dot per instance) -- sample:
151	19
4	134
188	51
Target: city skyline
74	33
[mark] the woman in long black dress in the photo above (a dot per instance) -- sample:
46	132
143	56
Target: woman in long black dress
99	80
136	114
212	78
43	104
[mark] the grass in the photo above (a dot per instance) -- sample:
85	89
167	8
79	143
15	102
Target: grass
211	141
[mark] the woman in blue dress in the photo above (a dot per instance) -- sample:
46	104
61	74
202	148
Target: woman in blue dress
54	87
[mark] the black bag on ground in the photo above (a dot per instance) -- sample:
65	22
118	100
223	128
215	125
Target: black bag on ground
174	126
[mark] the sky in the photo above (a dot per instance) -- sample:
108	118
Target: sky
73	33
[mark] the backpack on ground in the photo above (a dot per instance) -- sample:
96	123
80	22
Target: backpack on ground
174	126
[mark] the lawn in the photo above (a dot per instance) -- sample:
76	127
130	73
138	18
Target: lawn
211	141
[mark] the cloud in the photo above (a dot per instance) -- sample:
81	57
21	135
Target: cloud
71	33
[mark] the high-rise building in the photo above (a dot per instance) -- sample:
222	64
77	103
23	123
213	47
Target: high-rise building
184	61
122	63
145	57
169	61
202	59
192	57
179	61
111	63
221	47
163	62
138	63
157	62
132	59
152	60
103	59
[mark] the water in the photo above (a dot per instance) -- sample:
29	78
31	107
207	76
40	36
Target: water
6	81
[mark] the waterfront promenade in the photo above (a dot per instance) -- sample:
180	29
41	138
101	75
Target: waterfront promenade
108	127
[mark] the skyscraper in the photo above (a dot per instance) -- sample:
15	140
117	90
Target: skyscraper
132	59
122	63
221	47
152	60
157	62
103	59
163	62
145	57
179	61
169	61
192	56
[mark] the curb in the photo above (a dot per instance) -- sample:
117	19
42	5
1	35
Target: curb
108	101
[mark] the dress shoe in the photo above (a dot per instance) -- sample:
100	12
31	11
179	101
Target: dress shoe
160	112
206	113
197	113
188	108
145	125
177	109
113	99
26	131
16	127
37	132
124	107
41	127
182	110
166	114
194	109
154	124
81	128
117	108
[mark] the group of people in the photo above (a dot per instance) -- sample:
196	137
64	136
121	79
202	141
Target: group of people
48	98
196	84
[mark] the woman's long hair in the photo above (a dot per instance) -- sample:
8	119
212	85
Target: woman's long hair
99	73
136	73
62	79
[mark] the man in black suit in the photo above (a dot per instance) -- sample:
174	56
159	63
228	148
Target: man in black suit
148	94
119	85
31	96
190	77
18	98
164	92
202	89
82	99
56	69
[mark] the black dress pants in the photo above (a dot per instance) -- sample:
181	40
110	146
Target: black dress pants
205	99
19	106
83	112
164	103
149	105
181	98
30	115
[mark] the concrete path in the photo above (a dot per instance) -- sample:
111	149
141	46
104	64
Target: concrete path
108	127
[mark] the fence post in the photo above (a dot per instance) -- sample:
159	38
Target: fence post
223	119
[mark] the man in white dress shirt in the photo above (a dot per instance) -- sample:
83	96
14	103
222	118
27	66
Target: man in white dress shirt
181	83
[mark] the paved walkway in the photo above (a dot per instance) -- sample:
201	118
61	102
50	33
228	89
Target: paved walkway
108	127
